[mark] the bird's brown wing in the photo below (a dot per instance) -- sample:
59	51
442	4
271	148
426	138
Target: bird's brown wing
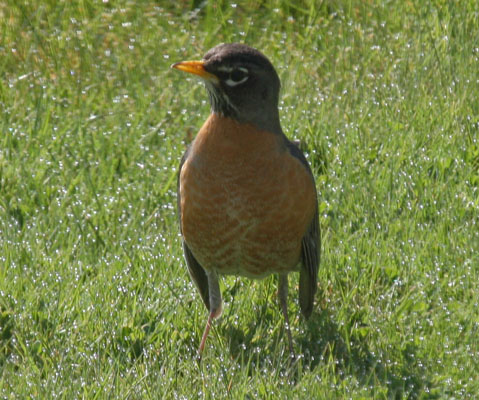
310	255
310	248
198	274
196	271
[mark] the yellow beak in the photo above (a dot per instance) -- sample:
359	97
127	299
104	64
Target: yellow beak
197	68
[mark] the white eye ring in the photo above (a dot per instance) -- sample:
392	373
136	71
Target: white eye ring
230	82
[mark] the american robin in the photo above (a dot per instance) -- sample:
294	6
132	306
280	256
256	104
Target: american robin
247	198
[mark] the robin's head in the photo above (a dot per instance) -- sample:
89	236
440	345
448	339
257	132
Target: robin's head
241	82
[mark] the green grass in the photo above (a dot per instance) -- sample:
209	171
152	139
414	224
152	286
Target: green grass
95	299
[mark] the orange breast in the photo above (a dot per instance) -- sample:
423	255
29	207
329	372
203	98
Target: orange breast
246	203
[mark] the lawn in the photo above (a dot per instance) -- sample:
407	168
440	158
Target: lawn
95	298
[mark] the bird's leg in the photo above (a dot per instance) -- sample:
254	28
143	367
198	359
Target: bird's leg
215	306
283	300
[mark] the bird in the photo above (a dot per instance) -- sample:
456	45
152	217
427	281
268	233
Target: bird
247	198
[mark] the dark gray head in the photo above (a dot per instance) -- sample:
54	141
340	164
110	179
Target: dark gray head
242	84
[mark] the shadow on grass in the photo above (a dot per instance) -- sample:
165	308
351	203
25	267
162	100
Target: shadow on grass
353	357
323	342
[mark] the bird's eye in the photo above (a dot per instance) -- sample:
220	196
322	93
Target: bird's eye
237	76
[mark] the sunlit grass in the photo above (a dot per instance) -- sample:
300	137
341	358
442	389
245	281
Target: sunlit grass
95	300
